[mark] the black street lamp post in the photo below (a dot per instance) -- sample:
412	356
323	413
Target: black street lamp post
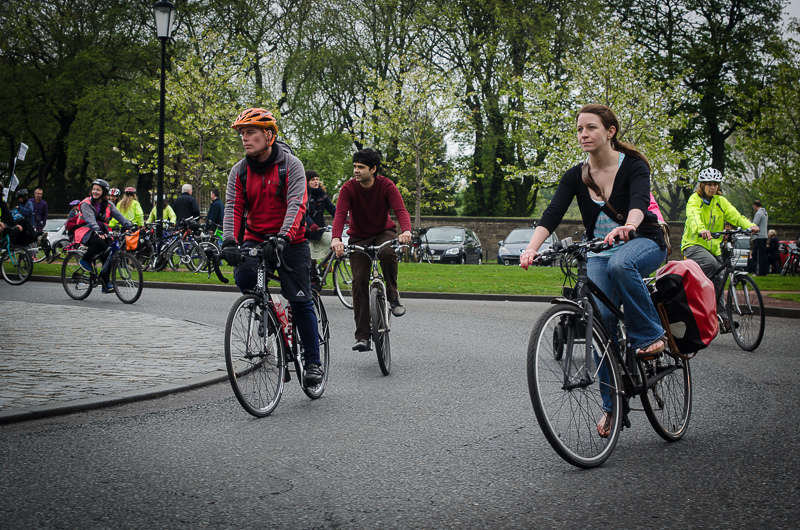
164	12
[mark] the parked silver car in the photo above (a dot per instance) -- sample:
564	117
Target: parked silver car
741	252
515	242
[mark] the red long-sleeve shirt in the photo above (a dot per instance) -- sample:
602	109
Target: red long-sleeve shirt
369	209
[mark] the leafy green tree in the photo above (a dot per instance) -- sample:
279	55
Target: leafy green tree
410	113
769	146
54	57
724	51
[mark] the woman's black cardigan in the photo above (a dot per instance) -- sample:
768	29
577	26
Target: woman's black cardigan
631	191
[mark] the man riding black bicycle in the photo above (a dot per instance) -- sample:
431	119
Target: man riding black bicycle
265	197
367	198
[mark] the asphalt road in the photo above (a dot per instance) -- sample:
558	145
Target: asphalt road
448	440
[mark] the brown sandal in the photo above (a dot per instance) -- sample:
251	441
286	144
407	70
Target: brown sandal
652	350
604	425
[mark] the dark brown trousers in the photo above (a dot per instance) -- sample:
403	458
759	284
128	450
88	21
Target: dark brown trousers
360	267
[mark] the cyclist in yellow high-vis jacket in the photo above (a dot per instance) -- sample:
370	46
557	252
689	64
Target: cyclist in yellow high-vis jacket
707	211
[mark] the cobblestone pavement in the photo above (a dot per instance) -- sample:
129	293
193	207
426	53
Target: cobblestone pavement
135	352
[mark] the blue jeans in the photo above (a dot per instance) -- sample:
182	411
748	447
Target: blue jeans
619	276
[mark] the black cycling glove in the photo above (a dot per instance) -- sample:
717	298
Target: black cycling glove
231	253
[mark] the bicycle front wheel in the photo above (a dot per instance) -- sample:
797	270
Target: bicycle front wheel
17	266
380	329
343	282
323	330
668	402
126	276
567	398
745	312
254	356
77	282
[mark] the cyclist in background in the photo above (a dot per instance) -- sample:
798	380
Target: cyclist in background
113	195
707	211
167	213
92	227
612	188
367	198
318	237
272	201
129	206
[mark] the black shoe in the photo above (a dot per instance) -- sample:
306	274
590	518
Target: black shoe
313	374
108	288
398	309
362	345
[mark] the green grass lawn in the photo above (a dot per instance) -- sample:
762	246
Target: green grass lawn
439	278
794	297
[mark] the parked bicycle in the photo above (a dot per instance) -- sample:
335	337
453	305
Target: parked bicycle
420	250
792	264
15	261
262	345
573	366
744	307
379	309
123	268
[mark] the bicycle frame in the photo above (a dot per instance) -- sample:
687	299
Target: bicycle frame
728	273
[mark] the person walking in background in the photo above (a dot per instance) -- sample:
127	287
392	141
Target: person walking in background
185	206
39	207
214	215
129	207
760	258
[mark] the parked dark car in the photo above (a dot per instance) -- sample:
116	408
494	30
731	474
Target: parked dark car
453	244
515	242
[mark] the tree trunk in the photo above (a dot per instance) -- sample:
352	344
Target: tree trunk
417	208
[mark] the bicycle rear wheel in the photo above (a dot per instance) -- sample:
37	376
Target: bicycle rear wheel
315	392
745	309
668	402
40	250
17	266
254	356
567	403
343	282
380	329
126	276
77	282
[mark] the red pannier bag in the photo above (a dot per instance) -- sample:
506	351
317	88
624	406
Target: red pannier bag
687	298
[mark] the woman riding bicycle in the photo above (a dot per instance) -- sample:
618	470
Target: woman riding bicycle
707	211
92	227
612	188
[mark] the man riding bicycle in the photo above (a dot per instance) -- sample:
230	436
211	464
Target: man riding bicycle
367	198
266	196
96	211
707	211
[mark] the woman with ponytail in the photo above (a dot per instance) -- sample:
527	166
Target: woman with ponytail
612	188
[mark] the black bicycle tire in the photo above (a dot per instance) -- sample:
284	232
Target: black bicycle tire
76	256
377	310
652	410
136	267
536	349
340	293
25	260
316	391
58	250
736	331
234	377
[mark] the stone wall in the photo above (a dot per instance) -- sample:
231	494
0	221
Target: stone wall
490	230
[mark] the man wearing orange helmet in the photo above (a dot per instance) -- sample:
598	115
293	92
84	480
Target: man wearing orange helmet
266	196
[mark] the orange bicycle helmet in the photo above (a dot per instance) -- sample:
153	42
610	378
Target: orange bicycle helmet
256	117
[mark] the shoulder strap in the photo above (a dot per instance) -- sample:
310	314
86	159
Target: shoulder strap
588	180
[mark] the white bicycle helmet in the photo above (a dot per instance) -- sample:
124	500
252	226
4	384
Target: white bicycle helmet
710	174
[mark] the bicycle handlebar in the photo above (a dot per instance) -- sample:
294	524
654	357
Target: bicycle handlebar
566	246
376	248
213	260
731	232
